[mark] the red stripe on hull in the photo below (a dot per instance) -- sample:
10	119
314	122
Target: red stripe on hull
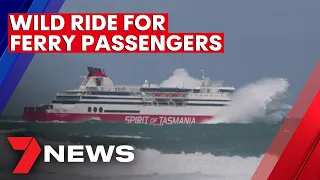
125	118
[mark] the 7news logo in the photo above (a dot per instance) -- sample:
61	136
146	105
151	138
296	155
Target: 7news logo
74	153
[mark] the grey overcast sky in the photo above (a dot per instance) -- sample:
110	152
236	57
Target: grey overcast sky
273	38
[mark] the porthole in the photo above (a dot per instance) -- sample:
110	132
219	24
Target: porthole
95	109
100	109
89	109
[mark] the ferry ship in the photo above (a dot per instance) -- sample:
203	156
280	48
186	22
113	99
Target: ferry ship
98	98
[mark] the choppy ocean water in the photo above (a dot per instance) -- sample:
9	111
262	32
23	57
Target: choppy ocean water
170	152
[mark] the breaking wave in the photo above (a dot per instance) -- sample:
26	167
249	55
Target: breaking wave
148	164
223	151
151	164
255	102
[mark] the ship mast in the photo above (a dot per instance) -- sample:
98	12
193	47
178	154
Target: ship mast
202	78
205	83
202	71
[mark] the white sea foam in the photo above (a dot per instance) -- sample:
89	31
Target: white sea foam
257	101
54	122
149	164
125	136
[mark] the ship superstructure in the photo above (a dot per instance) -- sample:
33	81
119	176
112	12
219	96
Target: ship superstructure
98	98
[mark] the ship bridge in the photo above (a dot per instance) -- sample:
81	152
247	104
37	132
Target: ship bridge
207	86
226	89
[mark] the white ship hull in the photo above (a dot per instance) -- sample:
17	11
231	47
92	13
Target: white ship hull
98	98
128	114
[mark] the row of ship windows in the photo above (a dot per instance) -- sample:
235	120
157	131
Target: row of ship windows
95	109
117	93
78	97
220	95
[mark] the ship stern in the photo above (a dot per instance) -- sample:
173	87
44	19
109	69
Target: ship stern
35	113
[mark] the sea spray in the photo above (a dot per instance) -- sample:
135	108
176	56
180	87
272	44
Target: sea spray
252	102
181	78
255	102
